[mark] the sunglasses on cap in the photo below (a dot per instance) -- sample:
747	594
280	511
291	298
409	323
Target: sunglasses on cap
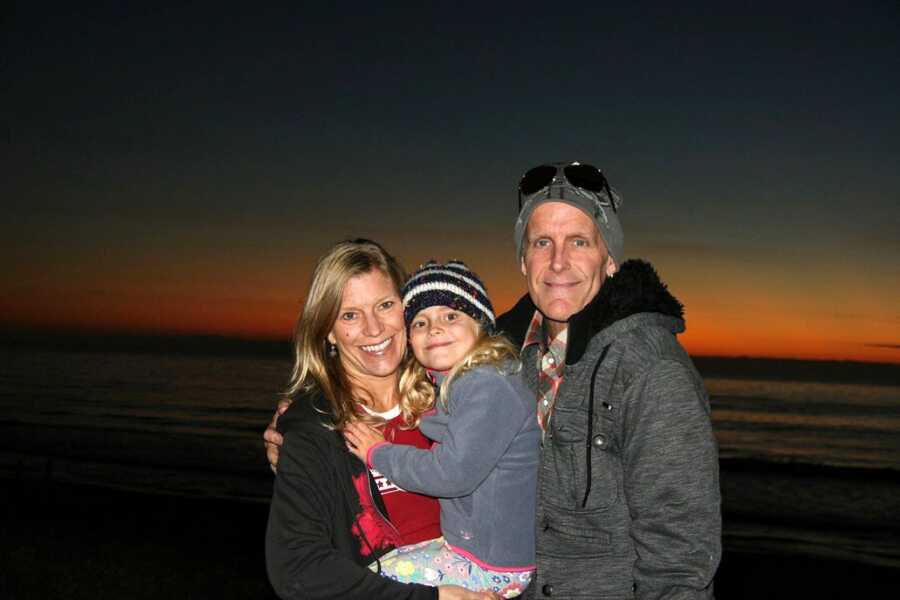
579	175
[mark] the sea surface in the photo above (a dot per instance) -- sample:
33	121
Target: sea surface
819	463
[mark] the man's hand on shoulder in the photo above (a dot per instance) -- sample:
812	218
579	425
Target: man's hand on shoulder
272	439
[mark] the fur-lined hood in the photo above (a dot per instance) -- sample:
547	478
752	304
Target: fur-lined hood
635	289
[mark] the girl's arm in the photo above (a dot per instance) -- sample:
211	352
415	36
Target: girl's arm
486	413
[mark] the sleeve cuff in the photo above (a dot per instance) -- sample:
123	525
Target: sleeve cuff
371	450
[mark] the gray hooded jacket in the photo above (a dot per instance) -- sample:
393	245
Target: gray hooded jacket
628	486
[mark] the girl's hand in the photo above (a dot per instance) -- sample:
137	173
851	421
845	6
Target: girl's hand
360	438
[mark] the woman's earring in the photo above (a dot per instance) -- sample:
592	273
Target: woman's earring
332	350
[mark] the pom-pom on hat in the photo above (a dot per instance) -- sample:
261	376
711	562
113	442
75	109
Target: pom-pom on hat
451	284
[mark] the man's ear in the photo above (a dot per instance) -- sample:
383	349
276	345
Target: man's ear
522	265
611	266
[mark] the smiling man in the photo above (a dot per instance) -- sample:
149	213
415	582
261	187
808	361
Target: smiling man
628	490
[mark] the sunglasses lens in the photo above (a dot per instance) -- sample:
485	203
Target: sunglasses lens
587	177
536	179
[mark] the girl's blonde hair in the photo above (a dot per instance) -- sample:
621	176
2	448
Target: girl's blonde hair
313	368
489	350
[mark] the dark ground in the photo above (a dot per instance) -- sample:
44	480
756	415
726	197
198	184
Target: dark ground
63	541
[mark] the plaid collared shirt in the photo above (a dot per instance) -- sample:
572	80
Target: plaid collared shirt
551	363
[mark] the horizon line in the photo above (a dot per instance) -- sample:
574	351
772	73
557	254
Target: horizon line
265	344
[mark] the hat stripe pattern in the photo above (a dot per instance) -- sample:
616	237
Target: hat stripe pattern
453	285
438	286
455	274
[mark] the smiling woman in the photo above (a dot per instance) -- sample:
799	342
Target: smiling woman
369	335
330	516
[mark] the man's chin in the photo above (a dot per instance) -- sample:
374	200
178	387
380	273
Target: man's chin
559	311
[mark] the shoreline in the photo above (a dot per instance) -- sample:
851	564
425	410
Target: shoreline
84	541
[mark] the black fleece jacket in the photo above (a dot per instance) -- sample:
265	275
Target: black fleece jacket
326	519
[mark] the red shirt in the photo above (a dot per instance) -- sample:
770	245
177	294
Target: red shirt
417	517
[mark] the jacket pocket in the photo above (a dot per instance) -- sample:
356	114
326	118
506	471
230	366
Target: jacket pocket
571	541
578	559
570	482
588	577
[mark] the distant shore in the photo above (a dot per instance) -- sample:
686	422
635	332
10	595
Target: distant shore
76	541
825	371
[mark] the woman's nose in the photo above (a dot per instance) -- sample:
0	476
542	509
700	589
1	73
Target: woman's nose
373	327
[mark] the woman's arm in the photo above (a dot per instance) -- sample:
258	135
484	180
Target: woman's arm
301	559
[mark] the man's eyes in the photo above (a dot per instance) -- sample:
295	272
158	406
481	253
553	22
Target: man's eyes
577	242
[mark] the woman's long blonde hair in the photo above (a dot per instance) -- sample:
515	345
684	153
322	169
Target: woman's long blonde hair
313	368
489	350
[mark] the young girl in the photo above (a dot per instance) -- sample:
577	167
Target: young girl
484	462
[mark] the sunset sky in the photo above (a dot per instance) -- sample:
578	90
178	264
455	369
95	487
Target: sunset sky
180	170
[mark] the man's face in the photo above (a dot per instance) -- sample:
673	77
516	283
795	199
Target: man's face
564	260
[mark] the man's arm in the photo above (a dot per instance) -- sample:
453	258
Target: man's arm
672	483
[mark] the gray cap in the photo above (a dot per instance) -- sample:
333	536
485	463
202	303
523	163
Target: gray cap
596	205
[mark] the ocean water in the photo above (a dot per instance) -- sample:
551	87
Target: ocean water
193	424
842	425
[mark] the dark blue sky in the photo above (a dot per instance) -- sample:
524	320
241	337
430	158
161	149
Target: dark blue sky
179	169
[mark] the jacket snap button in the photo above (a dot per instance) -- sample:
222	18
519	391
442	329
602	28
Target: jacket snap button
547	589
600	441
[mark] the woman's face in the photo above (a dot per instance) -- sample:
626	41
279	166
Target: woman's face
369	331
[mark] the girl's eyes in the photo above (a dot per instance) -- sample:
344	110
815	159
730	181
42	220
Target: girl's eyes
417	324
452	316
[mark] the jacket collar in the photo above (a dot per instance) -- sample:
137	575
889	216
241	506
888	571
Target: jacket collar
636	288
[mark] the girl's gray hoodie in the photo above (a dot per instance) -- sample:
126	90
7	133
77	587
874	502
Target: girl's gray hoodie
483	467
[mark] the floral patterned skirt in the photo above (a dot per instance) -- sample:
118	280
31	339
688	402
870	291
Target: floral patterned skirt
434	563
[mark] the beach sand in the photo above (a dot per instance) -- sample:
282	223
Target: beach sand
74	541
68	541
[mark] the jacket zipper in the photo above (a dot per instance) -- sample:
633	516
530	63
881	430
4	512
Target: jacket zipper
590	431
370	480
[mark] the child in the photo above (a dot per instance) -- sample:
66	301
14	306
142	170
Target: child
484	462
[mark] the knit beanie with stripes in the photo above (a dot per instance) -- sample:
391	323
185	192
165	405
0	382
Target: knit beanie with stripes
451	284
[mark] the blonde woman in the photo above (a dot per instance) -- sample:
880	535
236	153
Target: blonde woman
330	516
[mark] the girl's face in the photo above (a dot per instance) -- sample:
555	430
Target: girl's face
441	336
369	331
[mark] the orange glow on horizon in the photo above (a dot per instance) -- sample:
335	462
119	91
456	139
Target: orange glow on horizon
727	314
708	333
